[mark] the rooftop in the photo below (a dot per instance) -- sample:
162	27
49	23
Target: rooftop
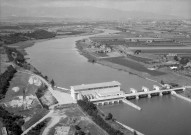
94	85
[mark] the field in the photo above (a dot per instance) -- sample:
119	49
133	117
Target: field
68	118
139	59
40	112
70	32
119	40
133	65
165	51
20	81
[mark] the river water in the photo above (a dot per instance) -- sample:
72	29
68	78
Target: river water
60	60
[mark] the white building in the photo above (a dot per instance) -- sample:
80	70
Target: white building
96	90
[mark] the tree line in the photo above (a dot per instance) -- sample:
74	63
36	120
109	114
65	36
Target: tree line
13	123
19	37
4	80
92	110
38	128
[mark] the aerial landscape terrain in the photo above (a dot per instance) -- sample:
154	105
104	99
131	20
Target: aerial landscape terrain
102	67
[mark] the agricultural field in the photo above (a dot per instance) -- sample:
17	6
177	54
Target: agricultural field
139	59
164	51
133	65
70	32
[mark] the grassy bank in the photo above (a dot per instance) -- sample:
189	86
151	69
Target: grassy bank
127	65
80	46
105	122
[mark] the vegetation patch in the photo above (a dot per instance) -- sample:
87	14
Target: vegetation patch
36	117
12	122
92	111
133	65
20	37
37	130
4	80
45	97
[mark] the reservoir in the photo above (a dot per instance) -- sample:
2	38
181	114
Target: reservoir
60	60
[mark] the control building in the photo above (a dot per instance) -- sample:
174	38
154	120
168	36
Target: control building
96	90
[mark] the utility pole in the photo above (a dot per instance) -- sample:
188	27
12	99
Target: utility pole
24	97
0	58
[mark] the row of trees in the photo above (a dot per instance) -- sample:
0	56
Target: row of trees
13	123
38	128
92	110
13	38
40	34
4	80
19	37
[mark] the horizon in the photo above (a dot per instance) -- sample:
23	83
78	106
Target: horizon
43	8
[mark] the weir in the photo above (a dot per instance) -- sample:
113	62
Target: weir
153	92
136	95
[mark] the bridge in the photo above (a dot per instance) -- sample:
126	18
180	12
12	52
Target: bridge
135	94
149	94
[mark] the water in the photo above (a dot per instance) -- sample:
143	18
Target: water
60	60
165	115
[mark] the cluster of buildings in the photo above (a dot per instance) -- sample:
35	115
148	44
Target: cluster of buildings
98	47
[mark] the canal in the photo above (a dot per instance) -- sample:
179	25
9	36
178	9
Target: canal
60	60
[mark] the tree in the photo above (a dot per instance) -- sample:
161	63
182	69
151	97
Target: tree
77	127
162	82
46	77
184	61
52	83
134	133
109	116
176	58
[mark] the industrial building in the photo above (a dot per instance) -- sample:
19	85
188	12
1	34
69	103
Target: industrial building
96	90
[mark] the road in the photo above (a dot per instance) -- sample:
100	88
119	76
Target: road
61	97
46	116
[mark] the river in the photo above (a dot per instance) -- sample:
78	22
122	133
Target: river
60	60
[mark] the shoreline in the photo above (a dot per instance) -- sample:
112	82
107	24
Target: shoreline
21	46
112	65
169	77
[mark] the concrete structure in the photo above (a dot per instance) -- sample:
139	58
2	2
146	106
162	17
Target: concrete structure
96	90
109	93
136	95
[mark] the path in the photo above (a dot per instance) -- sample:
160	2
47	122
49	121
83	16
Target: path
46	116
52	123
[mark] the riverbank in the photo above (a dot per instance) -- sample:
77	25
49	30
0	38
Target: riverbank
168	76
92	58
21	46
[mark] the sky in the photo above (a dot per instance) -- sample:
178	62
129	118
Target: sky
180	8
